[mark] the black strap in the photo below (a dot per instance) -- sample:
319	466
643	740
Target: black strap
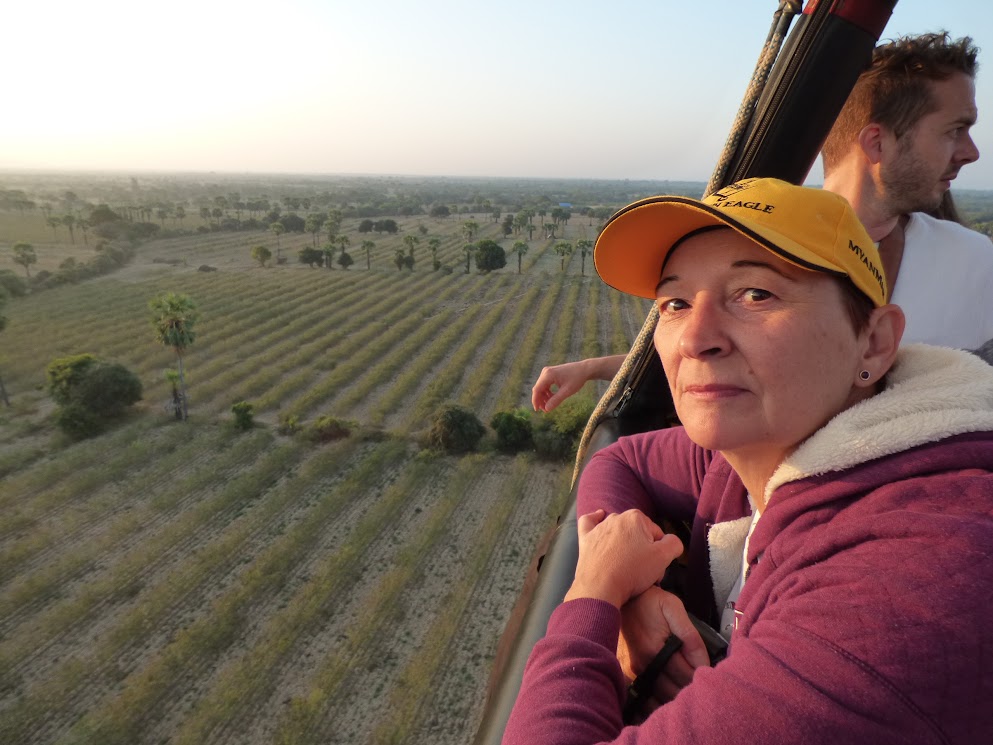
641	688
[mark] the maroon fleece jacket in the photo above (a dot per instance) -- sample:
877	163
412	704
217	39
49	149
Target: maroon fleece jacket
865	617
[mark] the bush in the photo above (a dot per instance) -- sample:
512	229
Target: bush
90	393
288	424
556	434
107	389
243	415
513	430
65	374
455	430
14	285
490	256
328	428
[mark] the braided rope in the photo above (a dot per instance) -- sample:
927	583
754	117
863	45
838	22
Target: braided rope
770	50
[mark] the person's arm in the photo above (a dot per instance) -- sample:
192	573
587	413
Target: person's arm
569	377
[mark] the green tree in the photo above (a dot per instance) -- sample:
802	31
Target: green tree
367	246
312	257
520	248
585	247
261	254
345	259
25	256
490	256
399	259
277	230
173	317
563	249
550	230
469	249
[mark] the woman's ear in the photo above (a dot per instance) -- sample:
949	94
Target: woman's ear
882	340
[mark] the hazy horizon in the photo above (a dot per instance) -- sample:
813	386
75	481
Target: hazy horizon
554	90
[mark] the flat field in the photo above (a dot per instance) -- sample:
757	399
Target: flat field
174	582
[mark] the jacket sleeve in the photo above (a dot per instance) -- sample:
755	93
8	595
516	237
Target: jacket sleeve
659	473
787	685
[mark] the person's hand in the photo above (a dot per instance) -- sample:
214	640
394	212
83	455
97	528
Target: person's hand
566	379
620	556
646	622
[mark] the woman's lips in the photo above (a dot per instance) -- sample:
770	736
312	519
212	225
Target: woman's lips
713	391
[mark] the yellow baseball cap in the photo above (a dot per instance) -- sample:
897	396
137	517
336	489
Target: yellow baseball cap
811	228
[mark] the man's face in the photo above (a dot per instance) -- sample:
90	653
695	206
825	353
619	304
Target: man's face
928	157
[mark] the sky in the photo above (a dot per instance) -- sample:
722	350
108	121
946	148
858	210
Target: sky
638	89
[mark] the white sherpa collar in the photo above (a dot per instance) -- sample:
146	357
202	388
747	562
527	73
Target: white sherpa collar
931	393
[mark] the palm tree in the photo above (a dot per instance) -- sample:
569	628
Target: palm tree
367	246
584	247
410	241
277	230
70	222
469	229
520	248
25	256
328	249
470	249
173	317
563	249
54	223
434	244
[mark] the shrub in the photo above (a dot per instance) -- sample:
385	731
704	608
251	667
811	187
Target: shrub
513	430
107	389
90	393
288	424
556	434
65	373
243	415
490	256
14	285
455	430
328	428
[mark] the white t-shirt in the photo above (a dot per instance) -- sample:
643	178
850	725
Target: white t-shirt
945	284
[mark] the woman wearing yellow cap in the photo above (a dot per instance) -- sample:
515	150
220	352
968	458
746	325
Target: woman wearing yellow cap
839	494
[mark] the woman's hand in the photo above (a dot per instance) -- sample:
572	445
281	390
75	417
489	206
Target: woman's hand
646	622
620	556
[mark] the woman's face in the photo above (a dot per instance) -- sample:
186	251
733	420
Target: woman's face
759	353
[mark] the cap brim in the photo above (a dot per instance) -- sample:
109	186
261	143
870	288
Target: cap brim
633	246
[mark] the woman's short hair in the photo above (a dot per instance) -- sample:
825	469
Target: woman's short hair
857	304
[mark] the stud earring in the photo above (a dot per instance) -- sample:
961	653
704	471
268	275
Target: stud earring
865	375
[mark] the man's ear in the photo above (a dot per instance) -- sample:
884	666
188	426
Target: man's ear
870	140
882	340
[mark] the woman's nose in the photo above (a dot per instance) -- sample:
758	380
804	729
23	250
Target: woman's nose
703	333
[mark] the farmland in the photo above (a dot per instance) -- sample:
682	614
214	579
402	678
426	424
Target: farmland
187	582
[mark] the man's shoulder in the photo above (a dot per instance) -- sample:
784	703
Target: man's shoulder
921	226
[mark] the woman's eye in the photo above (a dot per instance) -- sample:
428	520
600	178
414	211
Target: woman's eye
754	295
671	305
